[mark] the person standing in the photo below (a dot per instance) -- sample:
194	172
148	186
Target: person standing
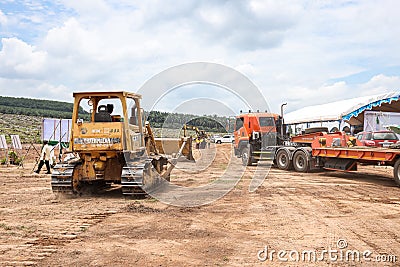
45	157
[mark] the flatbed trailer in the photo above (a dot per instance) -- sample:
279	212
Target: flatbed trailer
362	154
334	151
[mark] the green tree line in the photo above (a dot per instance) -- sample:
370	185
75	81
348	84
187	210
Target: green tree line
37	107
157	119
209	123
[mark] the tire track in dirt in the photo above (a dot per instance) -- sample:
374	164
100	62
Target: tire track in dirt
34	224
338	210
37	245
289	211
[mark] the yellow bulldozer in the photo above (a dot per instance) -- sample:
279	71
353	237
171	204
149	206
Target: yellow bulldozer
201	135
115	146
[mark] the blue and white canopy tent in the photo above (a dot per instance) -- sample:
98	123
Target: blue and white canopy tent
341	113
382	103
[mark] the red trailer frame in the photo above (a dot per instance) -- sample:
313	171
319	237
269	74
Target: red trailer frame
335	151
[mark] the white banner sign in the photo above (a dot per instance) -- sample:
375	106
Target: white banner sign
377	121
56	129
3	142
16	142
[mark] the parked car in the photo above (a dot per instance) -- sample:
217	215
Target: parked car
228	138
378	138
213	137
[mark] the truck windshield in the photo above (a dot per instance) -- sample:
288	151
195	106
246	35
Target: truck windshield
385	136
239	123
266	121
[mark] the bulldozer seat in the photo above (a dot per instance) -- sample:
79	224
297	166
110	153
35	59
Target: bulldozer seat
102	115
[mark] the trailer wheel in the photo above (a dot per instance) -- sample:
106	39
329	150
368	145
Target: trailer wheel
283	160
396	172
246	158
300	161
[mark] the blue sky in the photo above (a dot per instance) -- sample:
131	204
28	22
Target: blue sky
299	52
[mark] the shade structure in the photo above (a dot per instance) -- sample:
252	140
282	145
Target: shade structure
349	110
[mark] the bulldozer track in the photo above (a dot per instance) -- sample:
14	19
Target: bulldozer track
61	178
132	179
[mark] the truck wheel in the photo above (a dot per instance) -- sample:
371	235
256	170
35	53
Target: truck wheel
283	160
219	142
300	161
396	172
246	158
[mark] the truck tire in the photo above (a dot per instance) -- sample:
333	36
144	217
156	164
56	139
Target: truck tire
396	172
246	157
300	161
283	160
316	130
218	142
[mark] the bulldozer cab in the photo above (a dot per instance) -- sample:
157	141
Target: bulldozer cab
115	122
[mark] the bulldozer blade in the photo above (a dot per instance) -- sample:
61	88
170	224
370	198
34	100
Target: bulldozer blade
170	146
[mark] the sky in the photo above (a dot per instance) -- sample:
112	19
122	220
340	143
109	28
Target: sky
296	52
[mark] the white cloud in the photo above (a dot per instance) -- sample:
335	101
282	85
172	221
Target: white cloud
247	69
93	8
381	84
70	39
245	26
34	89
291	50
3	19
20	60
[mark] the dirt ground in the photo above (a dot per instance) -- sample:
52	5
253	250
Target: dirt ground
297	213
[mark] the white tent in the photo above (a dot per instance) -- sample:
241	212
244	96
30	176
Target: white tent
350	110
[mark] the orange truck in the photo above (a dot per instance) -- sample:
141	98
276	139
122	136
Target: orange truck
261	136
256	134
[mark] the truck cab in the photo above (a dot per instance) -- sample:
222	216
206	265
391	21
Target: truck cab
255	134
